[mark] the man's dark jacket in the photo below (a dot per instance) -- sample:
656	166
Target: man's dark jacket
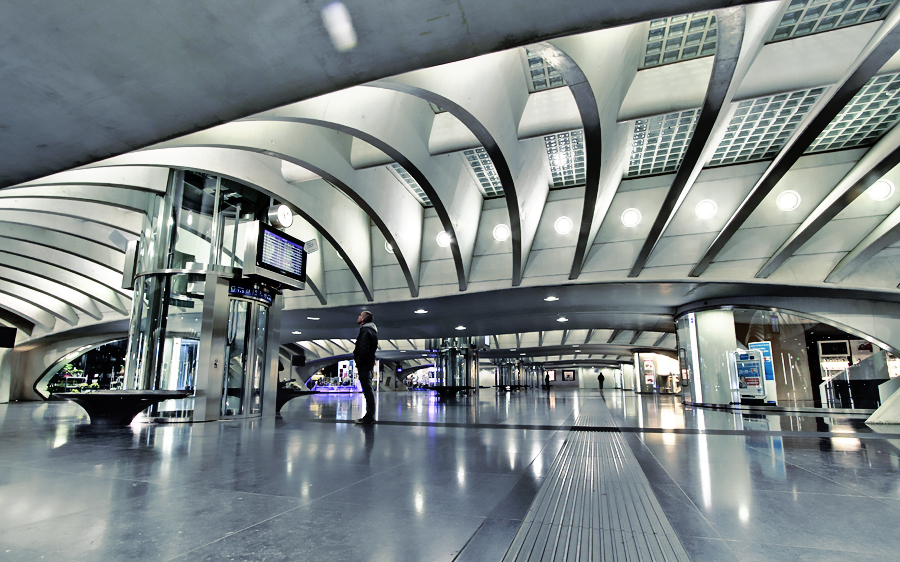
366	344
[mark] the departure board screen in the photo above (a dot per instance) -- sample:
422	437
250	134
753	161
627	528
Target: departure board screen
282	254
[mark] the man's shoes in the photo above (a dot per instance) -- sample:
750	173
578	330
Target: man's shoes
365	421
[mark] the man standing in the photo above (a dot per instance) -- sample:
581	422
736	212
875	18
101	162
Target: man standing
364	357
600	379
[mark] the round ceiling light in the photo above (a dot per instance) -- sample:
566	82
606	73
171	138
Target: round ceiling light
563	225
562	319
280	216
881	190
706	209
443	239
631	217
388	248
501	233
788	200
460	327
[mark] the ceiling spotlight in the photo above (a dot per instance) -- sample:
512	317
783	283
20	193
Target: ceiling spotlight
421	311
513	349
551	299
706	209
296	332
562	319
460	327
388	248
563	225
788	200
311	318
631	217
521	354
881	190
443	239
501	233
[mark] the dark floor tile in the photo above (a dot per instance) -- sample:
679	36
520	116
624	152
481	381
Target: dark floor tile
490	542
701	549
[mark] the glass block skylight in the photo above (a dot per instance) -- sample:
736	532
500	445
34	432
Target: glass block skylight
680	38
659	142
866	118
541	74
411	184
565	152
484	171
803	17
760	127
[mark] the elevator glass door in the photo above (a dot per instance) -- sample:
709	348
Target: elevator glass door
245	352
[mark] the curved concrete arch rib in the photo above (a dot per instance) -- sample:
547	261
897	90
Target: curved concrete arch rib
48	304
87	211
105	255
52	289
144	178
344	224
714	114
488	95
33	314
885	234
399	125
123	197
586	102
879	160
608	61
100	234
878	51
71	272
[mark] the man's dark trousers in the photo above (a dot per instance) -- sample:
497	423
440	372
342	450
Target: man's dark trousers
365	380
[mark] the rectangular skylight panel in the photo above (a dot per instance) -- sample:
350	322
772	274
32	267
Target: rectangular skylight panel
659	142
484	172
871	113
680	38
411	184
803	17
755	133
565	152
540	74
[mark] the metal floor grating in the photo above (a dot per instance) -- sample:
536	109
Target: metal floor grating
595	504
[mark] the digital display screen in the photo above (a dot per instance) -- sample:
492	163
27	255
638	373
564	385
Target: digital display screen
834	348
281	253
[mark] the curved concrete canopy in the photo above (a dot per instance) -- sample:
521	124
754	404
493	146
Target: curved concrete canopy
828	245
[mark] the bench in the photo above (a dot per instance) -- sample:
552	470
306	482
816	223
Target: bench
285	395
447	391
119	407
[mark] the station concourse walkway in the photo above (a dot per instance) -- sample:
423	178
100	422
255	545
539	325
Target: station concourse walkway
564	475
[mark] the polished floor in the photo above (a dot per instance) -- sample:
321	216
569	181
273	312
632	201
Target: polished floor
433	480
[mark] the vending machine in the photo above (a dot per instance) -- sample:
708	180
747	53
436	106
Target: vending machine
748	369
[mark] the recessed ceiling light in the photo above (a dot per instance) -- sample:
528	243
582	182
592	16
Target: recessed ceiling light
421	311
788	200
563	225
460	327
311	318
443	239
501	233
388	248
706	209
575	345
631	217
402	351
562	319
881	190
296	332
521	354
551	299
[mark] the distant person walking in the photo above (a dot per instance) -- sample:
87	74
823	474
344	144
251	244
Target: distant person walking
600	379
364	357
547	381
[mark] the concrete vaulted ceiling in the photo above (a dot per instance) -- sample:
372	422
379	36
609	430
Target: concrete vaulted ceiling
438	121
